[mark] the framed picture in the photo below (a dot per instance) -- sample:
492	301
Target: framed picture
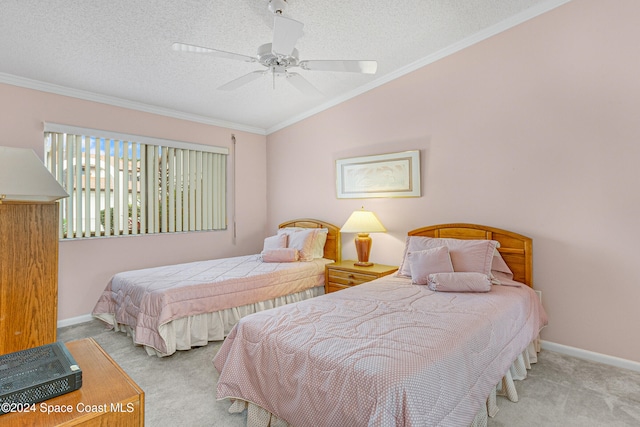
384	175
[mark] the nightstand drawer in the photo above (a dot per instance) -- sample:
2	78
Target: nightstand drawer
333	287
345	274
349	278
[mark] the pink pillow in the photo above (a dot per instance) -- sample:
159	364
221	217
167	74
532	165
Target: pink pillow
423	263
303	241
498	264
466	255
280	255
499	267
459	282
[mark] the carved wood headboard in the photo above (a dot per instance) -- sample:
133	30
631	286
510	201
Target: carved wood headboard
332	248
515	248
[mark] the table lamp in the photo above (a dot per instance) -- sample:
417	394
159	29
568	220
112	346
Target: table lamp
23	177
363	222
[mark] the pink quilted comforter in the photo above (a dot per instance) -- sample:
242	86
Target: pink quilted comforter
145	299
385	353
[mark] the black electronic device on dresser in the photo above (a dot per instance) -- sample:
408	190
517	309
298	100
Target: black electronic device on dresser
35	375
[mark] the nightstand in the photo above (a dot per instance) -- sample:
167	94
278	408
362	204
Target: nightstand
345	274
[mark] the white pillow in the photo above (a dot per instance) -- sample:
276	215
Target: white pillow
275	242
319	242
423	263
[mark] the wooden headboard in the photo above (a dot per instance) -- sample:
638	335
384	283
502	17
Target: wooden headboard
333	248
515	248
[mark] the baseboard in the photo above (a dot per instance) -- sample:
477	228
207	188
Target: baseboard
75	320
590	355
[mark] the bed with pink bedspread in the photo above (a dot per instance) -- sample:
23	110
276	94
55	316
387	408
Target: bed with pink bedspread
393	352
177	307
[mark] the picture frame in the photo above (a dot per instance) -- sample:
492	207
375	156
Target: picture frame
383	175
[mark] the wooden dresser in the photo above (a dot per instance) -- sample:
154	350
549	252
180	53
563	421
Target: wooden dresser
344	274
28	274
108	396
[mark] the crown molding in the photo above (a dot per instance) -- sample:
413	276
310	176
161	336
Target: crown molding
124	103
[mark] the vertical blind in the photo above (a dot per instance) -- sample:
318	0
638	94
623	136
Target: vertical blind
122	186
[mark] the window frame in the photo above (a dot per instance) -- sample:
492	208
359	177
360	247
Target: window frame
155	210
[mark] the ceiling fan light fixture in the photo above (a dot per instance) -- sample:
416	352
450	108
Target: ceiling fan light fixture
267	58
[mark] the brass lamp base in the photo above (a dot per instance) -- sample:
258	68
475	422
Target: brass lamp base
363	248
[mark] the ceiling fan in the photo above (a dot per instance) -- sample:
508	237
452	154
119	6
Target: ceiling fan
280	55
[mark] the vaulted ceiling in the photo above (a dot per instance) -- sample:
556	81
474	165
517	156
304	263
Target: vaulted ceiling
119	51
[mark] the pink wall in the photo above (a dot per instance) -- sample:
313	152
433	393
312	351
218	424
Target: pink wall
85	266
534	130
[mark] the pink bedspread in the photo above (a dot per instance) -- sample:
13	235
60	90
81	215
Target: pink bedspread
145	299
385	353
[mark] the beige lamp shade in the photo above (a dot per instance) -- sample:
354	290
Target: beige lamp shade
363	222
23	177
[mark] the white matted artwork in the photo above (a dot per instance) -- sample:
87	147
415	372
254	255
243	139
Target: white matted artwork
384	175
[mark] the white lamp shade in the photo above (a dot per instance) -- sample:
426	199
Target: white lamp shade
23	177
363	222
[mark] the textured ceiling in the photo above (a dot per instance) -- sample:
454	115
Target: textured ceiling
119	51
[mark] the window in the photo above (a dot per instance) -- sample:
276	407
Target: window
126	185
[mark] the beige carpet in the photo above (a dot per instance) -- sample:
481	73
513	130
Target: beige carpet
560	390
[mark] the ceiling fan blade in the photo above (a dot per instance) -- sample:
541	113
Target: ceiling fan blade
303	84
243	80
182	47
286	32
354	66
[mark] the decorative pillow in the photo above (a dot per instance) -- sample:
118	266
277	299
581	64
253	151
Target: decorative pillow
466	255
459	282
301	239
475	256
423	263
499	267
498	264
275	242
280	255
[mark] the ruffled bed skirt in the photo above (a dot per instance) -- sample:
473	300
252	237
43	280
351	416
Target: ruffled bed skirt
198	330
259	417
